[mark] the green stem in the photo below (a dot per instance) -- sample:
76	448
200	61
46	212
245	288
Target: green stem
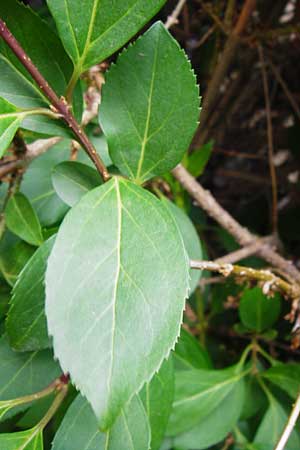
245	354
266	355
72	84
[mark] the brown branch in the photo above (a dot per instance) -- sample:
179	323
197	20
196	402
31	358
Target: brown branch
59	104
270	281
242	235
274	215
246	251
173	18
223	65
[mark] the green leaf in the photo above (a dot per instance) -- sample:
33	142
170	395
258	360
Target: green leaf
26	322
79	429
196	162
37	185
22	220
72	179
4	299
272	426
214	427
190	238
257	311
150	106
10	121
22	440
47	53
13	259
93	33
198	393
127	241
157	397
24	373
255	398
286	376
189	354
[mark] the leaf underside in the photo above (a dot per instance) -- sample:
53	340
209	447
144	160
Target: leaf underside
110	293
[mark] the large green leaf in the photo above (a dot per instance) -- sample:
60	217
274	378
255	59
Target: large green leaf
110	293
190	238
22	440
22	220
272	426
45	50
189	354
216	425
79	429
10	120
150	106
24	373
198	393
157	396
72	179
258	311
286	376
93	33
26	322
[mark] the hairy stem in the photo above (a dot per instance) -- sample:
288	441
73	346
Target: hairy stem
59	105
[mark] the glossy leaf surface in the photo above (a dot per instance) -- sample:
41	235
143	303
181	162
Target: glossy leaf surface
127	241
150	106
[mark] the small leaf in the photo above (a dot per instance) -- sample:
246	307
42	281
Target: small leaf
198	393
150	106
22	440
190	238
79	429
92	34
46	51
189	354
272	426
10	121
72	179
196	162
157	397
26	322
214	427
22	220
286	376
24	373
102	277
13	258
257	311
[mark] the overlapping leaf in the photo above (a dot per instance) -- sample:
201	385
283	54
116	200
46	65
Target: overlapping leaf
286	376
150	106
189	354
26	322
10	120
79	429
110	293
22	440
93	33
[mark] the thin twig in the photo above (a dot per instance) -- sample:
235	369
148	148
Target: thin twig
245	252
270	140
242	235
270	281
289	425
59	105
173	18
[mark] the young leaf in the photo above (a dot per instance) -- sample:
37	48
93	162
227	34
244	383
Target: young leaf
93	33
22	220
199	158
216	425
79	429
198	393
10	121
24	373
190	238
189	354
157	397
47	53
13	259
26	322
286	376
272	426
258	311
72	179
22	440
150	106
117	274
